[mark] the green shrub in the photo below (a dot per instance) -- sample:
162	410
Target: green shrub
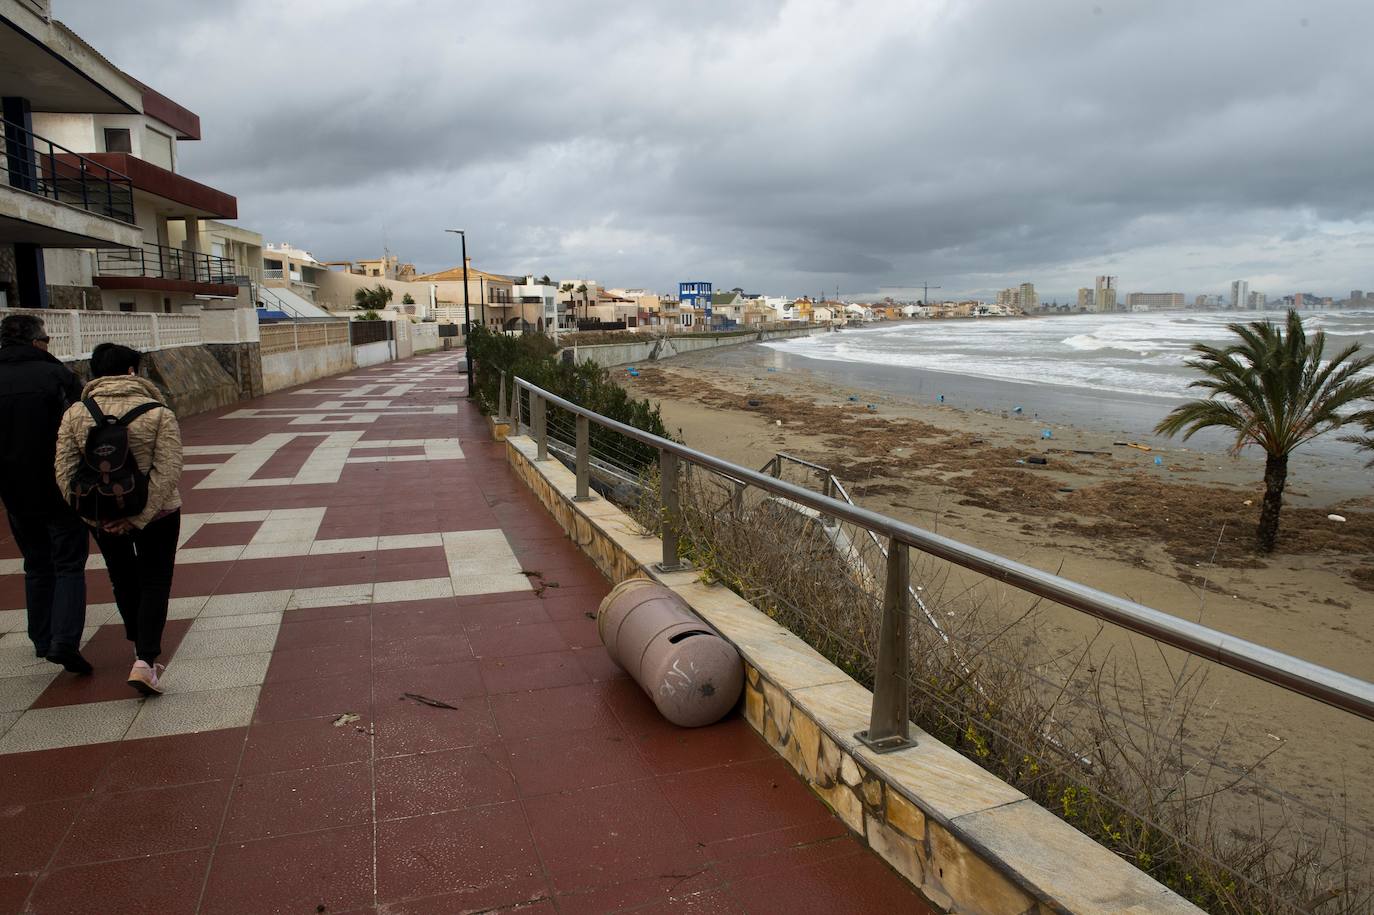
534	357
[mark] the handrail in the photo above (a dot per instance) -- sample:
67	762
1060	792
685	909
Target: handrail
1328	686
63	175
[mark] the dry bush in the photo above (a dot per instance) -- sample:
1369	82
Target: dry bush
1089	736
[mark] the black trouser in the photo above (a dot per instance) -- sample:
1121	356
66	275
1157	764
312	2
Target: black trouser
55	546
140	564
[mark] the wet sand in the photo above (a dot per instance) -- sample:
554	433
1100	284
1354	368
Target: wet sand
1177	536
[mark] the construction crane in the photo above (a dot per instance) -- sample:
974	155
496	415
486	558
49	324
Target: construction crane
925	292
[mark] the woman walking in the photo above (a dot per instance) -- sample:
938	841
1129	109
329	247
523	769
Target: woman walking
119	462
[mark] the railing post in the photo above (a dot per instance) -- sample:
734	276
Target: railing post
828	490
888	724
737	500
669	500
85	196
77	350
539	417
155	332
515	409
584	459
501	400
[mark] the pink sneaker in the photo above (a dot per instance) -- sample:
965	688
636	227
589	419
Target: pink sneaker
144	678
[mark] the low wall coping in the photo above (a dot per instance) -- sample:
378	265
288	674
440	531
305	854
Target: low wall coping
982	847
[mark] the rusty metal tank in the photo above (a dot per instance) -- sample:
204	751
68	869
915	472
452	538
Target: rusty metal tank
692	675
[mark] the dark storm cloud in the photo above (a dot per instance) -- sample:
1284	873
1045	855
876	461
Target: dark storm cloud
782	146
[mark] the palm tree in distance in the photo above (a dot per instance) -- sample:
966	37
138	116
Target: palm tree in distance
1366	441
1273	389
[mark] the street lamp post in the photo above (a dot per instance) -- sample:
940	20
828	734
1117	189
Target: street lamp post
467	316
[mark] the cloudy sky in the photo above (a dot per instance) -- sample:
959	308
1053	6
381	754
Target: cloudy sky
787	147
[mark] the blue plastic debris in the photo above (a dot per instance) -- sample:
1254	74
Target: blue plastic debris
1016	409
853	398
1046	433
772	370
941	398
1159	462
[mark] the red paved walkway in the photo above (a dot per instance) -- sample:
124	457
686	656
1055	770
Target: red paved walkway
347	544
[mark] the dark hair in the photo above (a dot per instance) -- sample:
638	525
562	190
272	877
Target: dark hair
20	329
113	359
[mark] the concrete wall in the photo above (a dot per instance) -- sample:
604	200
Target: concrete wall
653	349
297	366
373	353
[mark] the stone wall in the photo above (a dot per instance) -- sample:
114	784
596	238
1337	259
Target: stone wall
8	283
968	841
193	379
243	363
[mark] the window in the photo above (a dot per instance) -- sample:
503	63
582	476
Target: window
166	306
271	264
117	140
126	306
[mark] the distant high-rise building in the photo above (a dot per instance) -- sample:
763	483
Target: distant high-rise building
1200	302
1240	294
1085	299
1356	295
1154	301
1027	298
1256	301
1007	296
1104	293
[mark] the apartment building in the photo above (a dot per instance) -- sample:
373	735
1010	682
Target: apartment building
1155	301
90	139
1104	294
56	202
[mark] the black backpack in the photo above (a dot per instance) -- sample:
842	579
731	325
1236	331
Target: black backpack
107	484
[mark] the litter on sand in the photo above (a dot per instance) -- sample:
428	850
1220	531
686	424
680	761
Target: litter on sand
1337	518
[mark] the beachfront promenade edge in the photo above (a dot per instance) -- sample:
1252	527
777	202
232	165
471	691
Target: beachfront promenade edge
965	839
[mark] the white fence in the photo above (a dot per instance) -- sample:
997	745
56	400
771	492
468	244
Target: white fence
73	334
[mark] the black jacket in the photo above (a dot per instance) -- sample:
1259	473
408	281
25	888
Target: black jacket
35	390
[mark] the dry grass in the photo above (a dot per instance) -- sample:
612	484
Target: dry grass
1090	736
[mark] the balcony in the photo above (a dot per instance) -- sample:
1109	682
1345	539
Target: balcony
54	197
171	269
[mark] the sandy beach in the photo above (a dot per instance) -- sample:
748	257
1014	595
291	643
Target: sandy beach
1177	535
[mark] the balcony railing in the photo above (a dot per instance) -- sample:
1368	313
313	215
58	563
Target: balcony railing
42	167
166	263
74	334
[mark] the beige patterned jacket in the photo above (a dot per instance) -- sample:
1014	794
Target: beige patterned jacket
154	437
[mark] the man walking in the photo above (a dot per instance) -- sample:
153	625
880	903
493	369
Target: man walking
35	390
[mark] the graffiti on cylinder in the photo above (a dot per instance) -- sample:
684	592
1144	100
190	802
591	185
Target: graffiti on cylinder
676	678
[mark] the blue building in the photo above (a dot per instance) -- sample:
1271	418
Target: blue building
698	296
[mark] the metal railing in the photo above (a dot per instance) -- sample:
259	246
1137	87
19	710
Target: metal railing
888	727
40	166
162	262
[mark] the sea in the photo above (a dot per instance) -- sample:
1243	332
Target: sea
1121	372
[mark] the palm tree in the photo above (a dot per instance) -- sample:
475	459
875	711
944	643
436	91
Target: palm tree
1366	441
1273	389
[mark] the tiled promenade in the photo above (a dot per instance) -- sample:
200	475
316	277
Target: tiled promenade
385	693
